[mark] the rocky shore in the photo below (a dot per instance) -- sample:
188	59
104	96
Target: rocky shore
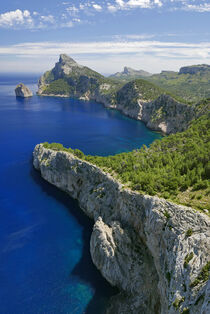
156	252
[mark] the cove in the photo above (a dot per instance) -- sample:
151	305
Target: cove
45	265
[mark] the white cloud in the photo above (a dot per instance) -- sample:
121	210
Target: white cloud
48	18
158	2
107	56
112	8
16	18
110	47
133	4
97	7
25	20
205	7
72	10
139	3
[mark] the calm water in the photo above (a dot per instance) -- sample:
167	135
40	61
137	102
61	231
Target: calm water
45	266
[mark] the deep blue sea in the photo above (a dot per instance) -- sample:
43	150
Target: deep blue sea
45	265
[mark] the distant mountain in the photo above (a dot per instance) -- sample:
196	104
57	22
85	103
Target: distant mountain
191	83
128	74
195	69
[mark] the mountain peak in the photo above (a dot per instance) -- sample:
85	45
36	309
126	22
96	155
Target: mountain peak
127	70
64	58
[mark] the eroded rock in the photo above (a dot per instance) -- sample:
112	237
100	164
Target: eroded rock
23	91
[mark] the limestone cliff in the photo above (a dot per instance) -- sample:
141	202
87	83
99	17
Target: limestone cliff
23	91
154	251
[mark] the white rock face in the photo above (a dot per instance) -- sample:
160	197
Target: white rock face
139	242
23	91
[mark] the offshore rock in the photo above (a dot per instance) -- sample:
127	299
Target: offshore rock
23	91
139	242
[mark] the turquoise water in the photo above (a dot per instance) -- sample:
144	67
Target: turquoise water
45	265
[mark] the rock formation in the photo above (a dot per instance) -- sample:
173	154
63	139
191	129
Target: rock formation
129	73
23	91
154	251
194	69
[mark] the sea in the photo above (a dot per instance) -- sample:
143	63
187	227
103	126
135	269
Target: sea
45	264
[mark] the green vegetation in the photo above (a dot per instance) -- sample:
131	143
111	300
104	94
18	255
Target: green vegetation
58	87
48	77
147	90
176	167
178	302
203	276
168	276
140	88
189	233
167	215
190	84
191	87
185	311
187	259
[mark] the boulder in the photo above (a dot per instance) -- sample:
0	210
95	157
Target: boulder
22	91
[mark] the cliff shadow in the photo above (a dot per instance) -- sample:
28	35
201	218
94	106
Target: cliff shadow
85	269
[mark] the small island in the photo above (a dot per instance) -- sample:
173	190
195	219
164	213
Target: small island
23	91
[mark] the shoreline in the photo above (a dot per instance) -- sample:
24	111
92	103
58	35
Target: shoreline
148	112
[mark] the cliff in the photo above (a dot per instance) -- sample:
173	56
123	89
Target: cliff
154	251
23	91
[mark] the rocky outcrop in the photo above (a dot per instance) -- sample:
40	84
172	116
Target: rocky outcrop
194	69
154	251
81	79
23	91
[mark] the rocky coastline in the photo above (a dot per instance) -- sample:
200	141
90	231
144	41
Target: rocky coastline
139	100
153	250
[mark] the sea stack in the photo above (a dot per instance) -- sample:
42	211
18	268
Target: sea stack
22	91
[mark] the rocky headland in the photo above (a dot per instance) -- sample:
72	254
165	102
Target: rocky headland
156	252
23	91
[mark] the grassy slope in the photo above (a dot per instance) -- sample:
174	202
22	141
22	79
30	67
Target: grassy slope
188	87
176	167
191	87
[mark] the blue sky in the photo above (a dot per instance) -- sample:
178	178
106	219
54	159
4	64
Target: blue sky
153	35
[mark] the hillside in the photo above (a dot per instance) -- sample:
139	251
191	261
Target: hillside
191	83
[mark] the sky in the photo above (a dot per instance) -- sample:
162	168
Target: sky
152	35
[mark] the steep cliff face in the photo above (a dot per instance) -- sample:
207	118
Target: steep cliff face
155	251
159	111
